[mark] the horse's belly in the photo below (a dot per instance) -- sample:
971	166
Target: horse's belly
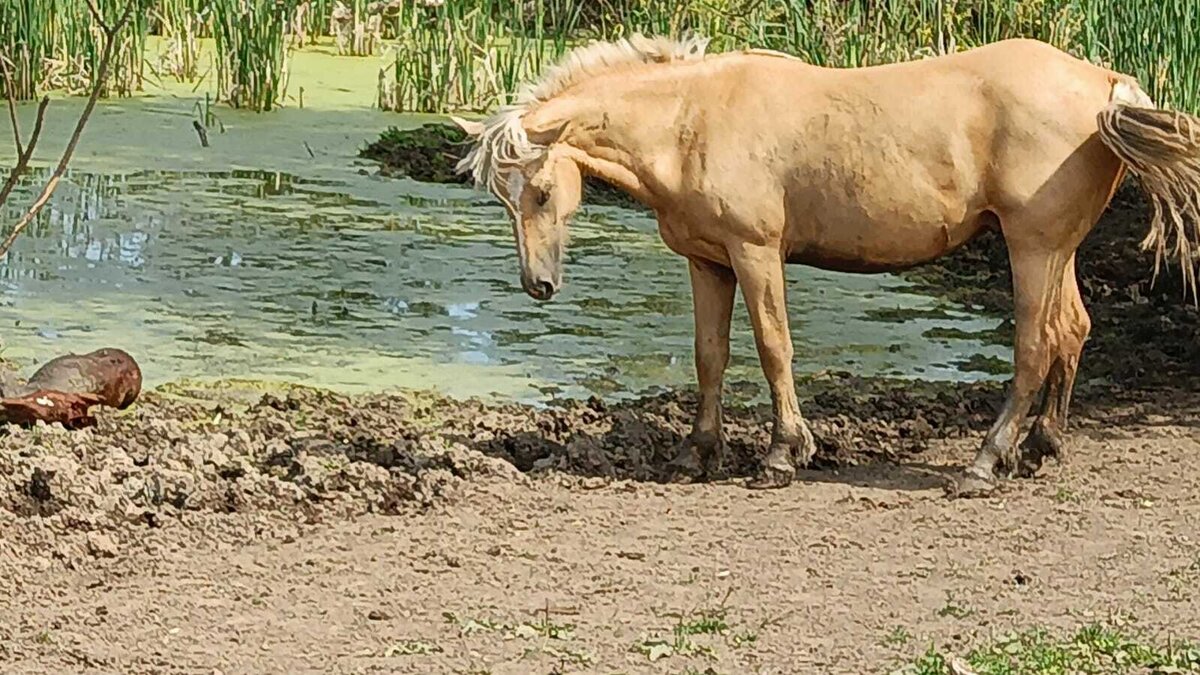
881	246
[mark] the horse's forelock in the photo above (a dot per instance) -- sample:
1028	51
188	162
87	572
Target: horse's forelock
503	146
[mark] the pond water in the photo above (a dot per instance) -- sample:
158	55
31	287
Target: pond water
276	255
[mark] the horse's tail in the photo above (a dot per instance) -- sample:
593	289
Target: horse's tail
1162	149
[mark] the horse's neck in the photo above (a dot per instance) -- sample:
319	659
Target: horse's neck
623	133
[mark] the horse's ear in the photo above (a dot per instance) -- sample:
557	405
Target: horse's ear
472	129
547	135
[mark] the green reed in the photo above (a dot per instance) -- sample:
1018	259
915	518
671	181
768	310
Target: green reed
467	54
181	24
1156	40
24	45
472	55
56	45
251	51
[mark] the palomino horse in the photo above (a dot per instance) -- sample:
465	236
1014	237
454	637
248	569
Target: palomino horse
754	159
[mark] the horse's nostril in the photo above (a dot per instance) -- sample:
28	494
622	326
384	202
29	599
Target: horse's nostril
544	289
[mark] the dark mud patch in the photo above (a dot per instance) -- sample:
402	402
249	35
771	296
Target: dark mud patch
260	463
312	454
430	152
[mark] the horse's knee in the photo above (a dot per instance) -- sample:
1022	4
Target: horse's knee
712	357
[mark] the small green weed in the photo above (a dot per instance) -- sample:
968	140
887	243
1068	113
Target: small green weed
412	648
954	610
1092	650
897	637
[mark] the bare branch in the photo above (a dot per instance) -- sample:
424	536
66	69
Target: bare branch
12	105
110	31
110	41
99	18
26	154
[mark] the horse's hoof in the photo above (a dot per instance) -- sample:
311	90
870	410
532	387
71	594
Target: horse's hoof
699	457
1038	445
684	469
771	478
972	485
682	476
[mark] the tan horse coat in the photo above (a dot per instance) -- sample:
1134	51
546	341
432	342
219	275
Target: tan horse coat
754	159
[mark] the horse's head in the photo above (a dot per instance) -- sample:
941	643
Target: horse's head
540	192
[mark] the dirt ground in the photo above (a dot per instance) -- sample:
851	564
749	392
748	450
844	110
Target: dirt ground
234	529
301	531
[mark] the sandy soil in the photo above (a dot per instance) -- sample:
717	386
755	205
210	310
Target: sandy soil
301	531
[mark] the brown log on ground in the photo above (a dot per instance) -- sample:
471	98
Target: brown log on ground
65	388
70	410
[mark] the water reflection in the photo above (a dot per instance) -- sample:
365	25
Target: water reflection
263	274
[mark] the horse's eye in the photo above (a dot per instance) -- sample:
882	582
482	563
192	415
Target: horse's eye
542	197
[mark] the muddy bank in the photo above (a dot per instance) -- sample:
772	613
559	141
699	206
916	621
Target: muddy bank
299	453
310	454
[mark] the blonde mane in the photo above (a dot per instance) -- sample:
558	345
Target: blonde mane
502	142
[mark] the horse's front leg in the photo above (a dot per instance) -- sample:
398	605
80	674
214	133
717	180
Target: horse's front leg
760	274
712	298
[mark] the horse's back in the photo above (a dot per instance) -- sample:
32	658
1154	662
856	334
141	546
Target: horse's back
923	150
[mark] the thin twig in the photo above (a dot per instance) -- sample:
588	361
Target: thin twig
26	154
12	106
110	41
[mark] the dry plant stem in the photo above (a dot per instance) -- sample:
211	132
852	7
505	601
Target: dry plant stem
12	106
24	152
110	41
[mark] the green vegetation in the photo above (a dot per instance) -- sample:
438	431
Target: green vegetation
1092	650
56	44
442	55
251	51
468	55
181	23
472	55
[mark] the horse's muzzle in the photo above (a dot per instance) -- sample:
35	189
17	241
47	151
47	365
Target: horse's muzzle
540	289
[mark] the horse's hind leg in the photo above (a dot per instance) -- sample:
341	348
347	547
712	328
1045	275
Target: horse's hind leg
1046	437
1037	293
760	274
713	288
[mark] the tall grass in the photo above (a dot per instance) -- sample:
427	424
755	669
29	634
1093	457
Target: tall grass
251	51
24	45
181	23
356	31
1158	41
56	44
457	56
444	62
470	54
